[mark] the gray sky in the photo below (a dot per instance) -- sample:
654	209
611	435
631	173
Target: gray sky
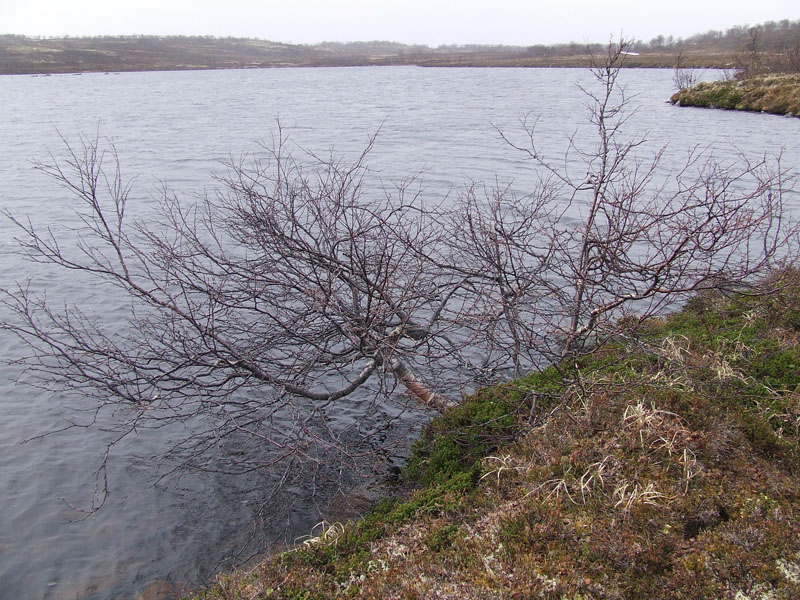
431	22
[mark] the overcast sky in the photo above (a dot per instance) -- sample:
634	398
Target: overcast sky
432	22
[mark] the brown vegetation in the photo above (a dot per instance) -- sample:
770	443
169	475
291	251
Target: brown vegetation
767	80
763	44
670	472
773	93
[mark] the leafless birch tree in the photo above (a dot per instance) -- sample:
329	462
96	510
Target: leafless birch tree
290	279
255	309
297	286
606	240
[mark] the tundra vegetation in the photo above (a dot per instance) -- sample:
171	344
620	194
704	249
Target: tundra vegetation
772	41
777	93
671	472
296	289
767	76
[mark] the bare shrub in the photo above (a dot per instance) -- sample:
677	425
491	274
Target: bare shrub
253	312
604	242
683	77
297	288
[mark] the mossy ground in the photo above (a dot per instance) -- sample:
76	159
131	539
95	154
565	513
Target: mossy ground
670	470
776	93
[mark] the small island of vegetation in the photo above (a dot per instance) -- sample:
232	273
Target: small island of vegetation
777	93
767	77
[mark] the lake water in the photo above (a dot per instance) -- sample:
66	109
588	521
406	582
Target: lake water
176	128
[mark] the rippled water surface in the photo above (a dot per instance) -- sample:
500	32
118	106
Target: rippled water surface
175	128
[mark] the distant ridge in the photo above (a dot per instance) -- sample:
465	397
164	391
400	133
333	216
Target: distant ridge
28	55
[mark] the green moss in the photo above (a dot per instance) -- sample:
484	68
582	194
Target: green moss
777	94
776	367
724	94
442	538
455	443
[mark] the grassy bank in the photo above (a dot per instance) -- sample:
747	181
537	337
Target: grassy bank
669	471
777	94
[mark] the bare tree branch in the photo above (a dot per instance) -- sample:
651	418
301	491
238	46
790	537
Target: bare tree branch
561	267
298	287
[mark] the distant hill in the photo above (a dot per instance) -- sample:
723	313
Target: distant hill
27	55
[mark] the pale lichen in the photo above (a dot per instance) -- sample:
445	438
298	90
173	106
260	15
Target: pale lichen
790	570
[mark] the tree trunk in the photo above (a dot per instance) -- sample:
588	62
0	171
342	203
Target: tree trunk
417	388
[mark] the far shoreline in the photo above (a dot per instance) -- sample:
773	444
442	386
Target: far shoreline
20	55
178	69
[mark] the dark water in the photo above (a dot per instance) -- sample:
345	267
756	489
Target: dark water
176	128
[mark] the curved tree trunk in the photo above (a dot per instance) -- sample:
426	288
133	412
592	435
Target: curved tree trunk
421	392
